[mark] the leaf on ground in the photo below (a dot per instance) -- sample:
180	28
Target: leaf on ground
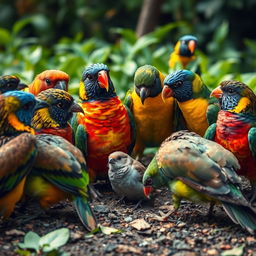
104	230
54	239
31	241
161	218
14	232
139	224
238	251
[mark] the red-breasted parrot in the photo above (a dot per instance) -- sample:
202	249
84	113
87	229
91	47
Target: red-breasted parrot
106	126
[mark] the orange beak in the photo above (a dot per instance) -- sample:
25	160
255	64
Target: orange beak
103	79
147	191
217	92
192	46
167	92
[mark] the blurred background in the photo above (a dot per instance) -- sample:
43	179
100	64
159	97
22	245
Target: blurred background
68	35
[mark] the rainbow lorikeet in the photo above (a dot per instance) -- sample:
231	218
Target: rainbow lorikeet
154	118
106	125
17	151
198	109
49	79
183	52
60	173
53	119
200	170
51	167
10	83
235	128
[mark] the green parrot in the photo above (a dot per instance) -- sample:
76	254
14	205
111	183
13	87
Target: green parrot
200	170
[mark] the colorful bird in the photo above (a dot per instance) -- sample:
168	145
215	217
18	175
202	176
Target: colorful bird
59	173
53	119
49	79
10	83
106	126
235	129
198	109
183	52
51	167
17	151
125	175
154	119
200	170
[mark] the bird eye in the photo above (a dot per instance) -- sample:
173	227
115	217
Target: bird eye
149	182
26	106
60	105
230	90
48	81
177	84
89	77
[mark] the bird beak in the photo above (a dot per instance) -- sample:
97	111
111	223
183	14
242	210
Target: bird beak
103	79
217	92
21	86
144	93
147	191
75	107
111	160
62	85
192	46
40	104
167	92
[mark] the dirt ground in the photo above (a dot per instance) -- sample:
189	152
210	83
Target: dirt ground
188	232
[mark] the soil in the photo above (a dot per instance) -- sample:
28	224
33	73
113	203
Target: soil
188	232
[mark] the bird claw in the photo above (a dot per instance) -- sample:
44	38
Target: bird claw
94	193
137	205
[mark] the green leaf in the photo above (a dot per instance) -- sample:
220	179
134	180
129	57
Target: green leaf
238	251
54	239
109	230
31	241
5	36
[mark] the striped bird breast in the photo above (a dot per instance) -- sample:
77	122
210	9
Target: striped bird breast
232	133
108	127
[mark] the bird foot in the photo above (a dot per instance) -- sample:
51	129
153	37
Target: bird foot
94	193
137	205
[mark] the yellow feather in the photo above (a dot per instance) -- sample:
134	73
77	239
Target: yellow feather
242	104
15	123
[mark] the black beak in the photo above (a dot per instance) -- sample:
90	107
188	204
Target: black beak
62	85
75	107
111	161
144	93
40	104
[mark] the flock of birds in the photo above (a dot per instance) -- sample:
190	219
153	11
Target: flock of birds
53	148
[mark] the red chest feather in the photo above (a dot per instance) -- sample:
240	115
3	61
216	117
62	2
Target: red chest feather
65	133
232	134
108	128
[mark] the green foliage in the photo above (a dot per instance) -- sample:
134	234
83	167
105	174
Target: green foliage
26	57
47	245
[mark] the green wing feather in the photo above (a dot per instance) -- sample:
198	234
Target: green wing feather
212	111
128	99
210	132
81	139
252	140
179	122
16	162
133	129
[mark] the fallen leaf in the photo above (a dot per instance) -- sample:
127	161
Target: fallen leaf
167	207
238	251
109	230
139	224
161	218
126	249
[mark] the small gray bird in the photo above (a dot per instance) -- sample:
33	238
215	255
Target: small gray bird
125	175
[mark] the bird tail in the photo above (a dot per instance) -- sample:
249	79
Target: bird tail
243	215
85	213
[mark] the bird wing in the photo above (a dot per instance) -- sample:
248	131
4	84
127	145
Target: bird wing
128	99
16	159
61	163
79	134
212	111
210	132
179	122
133	129
203	165
139	167
252	140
